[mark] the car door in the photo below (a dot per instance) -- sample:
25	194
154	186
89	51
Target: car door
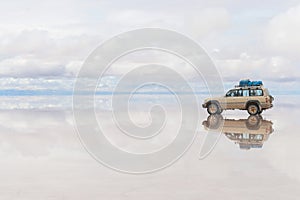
256	95
241	99
231	99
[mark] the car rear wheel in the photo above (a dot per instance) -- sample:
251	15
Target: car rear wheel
213	108
253	109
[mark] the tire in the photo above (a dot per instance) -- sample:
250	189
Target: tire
213	109
253	109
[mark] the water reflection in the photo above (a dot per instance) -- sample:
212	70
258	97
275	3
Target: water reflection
247	133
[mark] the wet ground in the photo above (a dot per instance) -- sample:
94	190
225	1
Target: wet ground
253	158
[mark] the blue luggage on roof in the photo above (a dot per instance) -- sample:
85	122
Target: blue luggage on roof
256	83
244	83
247	82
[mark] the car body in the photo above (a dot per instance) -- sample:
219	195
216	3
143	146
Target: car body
254	99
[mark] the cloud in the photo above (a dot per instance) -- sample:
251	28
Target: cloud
42	52
246	39
27	66
35	53
282	33
207	21
273	69
267	51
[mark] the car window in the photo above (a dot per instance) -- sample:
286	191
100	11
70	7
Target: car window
231	93
240	93
228	94
245	93
257	92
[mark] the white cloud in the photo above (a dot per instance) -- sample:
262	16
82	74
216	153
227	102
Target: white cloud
34	53
26	66
53	39
50	50
207	21
269	52
282	33
274	69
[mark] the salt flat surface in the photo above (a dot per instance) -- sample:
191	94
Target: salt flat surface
42	158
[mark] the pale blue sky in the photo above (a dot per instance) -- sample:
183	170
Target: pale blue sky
246	39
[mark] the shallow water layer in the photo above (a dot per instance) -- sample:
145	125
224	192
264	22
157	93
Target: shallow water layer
43	158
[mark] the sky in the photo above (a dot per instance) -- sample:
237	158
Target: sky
246	39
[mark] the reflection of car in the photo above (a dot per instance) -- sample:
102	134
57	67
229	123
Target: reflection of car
251	97
248	133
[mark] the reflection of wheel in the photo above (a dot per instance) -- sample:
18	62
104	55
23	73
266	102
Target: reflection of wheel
213	108
253	122
253	109
214	121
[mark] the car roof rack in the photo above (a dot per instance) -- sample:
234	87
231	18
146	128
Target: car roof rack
249	87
